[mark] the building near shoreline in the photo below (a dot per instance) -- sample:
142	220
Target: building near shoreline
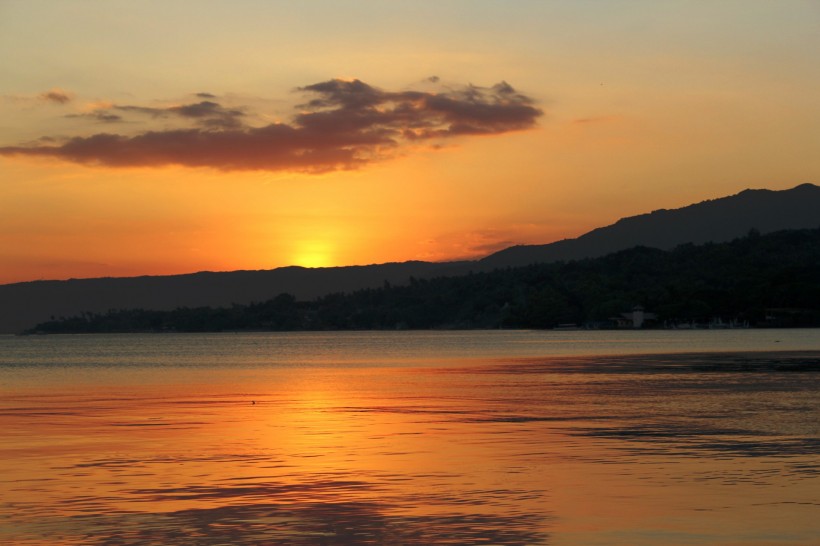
637	318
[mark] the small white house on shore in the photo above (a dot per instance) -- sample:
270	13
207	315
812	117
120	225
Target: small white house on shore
635	318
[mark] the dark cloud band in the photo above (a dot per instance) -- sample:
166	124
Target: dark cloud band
344	125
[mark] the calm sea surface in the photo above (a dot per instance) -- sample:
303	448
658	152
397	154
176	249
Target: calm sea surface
412	438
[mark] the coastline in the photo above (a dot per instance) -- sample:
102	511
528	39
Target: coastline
763	361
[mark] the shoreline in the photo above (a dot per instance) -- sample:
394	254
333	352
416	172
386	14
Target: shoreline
683	331
731	361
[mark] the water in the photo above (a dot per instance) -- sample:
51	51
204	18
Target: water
412	438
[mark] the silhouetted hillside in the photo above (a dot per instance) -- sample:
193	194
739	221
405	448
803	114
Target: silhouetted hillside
771	280
25	304
714	221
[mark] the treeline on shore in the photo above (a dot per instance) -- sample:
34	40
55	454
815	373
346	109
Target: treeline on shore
761	280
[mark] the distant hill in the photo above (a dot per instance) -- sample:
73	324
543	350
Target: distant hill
716	221
24	304
768	280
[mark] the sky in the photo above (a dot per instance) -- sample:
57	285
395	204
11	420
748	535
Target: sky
166	137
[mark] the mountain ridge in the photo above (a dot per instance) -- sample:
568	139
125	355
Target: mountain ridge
25	304
713	220
770	280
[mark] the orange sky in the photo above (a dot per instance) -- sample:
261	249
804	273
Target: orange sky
154	138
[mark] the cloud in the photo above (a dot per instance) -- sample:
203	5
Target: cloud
57	96
595	119
98	115
345	124
205	113
210	114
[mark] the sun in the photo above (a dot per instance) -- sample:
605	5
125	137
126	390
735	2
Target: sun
313	254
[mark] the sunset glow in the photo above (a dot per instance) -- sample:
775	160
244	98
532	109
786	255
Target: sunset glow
258	135
313	254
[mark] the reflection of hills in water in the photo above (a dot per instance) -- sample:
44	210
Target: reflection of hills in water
24	304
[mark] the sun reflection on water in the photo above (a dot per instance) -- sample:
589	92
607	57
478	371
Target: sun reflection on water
637	450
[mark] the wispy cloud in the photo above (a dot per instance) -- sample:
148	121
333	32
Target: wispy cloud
343	125
595	120
205	113
103	116
57	96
